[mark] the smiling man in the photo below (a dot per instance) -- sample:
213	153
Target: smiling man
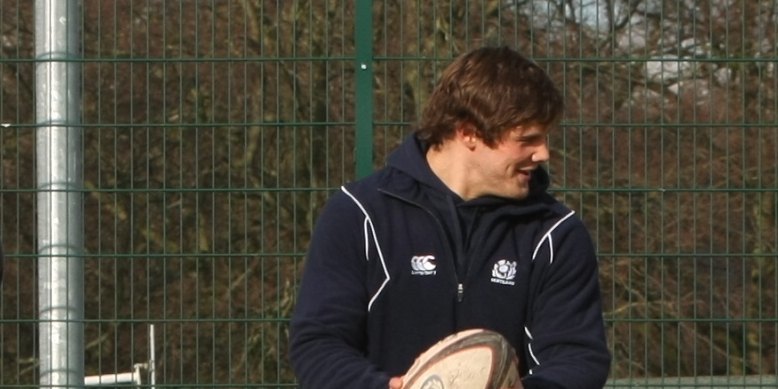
458	231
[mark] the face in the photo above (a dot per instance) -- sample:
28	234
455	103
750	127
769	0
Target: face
504	169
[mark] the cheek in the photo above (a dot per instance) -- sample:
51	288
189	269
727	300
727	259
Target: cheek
515	159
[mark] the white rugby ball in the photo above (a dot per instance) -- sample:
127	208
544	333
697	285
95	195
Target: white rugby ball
470	359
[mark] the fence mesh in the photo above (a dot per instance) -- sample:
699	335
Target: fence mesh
214	130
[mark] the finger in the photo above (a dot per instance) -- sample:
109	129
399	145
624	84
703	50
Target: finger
396	383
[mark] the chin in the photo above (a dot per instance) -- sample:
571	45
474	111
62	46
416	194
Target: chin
521	195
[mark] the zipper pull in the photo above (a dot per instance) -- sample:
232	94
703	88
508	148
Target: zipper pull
460	292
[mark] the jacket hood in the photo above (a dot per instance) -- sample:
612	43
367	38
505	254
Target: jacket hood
410	159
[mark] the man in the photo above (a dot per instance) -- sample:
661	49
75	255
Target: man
456	232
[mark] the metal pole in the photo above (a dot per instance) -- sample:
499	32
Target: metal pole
364	87
60	183
152	358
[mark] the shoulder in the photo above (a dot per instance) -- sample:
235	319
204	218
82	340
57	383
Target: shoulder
567	226
563	234
355	198
559	219
374	187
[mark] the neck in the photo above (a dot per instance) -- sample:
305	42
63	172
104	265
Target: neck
450	166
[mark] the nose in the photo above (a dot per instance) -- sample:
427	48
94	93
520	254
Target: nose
541	153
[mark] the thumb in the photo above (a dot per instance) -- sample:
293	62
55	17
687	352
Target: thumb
396	383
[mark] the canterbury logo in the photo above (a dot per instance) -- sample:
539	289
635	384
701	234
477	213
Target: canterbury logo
504	272
423	265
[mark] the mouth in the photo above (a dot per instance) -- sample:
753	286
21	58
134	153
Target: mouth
524	176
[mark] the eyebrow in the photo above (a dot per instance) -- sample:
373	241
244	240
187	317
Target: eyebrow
531	133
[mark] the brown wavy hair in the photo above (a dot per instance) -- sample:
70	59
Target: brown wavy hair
494	89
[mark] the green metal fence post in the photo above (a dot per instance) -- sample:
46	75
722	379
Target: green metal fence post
363	33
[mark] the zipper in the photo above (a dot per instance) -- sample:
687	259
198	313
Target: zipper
460	292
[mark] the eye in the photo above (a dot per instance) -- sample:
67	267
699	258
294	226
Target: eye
533	139
532	135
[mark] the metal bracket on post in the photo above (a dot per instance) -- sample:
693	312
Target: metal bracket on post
133	377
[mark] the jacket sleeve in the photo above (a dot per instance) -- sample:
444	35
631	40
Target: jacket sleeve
566	343
328	327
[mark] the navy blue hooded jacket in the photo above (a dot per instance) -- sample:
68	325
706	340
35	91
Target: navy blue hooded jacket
397	262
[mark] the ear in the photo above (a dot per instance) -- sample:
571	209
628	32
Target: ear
467	135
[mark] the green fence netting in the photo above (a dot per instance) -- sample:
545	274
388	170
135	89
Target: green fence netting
214	130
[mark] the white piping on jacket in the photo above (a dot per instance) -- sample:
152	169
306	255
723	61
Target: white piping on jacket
547	236
369	230
529	348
